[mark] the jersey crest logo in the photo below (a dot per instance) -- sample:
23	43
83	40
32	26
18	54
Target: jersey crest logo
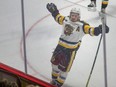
68	30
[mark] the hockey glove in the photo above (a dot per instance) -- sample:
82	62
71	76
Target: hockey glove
52	9
98	30
106	27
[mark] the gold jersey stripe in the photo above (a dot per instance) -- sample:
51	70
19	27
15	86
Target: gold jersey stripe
57	17
69	46
86	29
60	18
105	2
71	61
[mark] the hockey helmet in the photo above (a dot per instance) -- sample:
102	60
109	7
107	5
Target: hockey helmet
75	10
73	13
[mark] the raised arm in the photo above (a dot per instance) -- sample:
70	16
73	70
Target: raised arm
94	31
52	8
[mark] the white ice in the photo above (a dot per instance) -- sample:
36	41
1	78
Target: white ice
42	34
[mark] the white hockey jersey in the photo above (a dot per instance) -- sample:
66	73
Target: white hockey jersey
72	32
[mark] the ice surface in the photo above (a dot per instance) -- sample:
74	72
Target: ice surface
42	34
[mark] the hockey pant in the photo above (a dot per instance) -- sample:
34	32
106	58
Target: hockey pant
63	58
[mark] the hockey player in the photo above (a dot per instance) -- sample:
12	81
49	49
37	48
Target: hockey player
92	5
69	42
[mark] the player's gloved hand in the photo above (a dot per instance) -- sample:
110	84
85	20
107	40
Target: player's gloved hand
106	27
52	8
98	30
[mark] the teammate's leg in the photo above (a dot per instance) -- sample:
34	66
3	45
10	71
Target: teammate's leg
92	5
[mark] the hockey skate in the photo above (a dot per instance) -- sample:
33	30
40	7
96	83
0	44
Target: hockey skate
55	83
92	7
